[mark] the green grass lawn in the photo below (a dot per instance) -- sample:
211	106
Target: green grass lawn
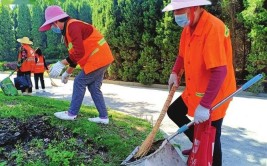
78	142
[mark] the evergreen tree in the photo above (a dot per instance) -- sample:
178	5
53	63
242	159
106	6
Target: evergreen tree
111	35
130	35
150	56
98	14
37	20
18	2
7	35
85	11
54	47
168	34
255	18
70	7
24	22
14	17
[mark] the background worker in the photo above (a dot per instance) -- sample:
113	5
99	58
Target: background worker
205	54
39	69
26	63
88	48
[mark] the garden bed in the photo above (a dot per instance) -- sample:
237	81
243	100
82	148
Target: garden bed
37	138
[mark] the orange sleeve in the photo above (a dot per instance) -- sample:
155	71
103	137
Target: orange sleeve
214	49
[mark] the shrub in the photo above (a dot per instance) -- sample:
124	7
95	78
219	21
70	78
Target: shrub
4	66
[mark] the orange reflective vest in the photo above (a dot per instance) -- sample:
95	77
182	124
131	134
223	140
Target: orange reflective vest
29	63
39	66
208	47
97	51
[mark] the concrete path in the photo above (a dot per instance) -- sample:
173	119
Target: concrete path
244	134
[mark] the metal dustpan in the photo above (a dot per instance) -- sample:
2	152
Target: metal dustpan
166	155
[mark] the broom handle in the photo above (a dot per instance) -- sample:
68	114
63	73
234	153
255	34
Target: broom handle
242	88
21	61
12	73
164	109
9	75
167	102
144	148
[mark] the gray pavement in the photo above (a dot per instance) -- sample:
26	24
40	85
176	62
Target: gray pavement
244	136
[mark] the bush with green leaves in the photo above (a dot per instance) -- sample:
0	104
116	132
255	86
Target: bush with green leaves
255	18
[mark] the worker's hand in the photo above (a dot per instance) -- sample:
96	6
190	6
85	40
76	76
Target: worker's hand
201	114
173	80
65	77
56	69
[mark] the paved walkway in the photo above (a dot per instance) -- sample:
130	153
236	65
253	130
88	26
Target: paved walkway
244	135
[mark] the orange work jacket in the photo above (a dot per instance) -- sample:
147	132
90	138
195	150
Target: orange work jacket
97	51
208	47
29	63
39	66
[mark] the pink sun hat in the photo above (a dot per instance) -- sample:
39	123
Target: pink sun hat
52	14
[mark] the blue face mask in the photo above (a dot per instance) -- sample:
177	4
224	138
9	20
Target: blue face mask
55	29
182	20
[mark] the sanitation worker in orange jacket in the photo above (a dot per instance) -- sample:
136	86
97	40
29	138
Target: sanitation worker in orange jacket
205	54
87	48
39	69
26	63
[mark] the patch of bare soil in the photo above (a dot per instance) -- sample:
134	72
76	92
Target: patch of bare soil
16	140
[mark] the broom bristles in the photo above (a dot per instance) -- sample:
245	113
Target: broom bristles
146	145
52	82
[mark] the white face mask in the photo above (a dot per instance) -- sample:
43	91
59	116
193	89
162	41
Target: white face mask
182	20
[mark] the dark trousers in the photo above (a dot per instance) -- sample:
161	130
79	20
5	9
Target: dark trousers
27	74
177	113
38	76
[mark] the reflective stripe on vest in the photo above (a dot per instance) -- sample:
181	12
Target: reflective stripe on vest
198	94
39	64
100	43
30	59
70	46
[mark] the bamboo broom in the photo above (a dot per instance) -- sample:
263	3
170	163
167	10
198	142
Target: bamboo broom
146	145
52	82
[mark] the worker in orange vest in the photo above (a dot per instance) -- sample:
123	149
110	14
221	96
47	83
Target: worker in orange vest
205	55
26	63
87	48
40	67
